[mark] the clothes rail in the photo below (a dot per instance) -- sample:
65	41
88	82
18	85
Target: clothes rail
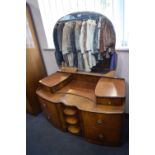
81	19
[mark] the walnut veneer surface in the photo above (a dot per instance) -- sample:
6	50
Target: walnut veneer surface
88	105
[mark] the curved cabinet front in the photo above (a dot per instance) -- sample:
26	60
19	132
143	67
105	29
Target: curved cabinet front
102	128
86	105
51	112
97	128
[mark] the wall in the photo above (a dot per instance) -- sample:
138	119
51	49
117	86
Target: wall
123	71
49	59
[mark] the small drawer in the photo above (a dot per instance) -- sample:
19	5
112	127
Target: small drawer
101	135
110	101
103	121
74	129
109	137
71	120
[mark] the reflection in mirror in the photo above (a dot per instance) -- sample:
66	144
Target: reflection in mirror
86	41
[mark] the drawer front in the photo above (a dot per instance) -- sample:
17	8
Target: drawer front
104	128
103	121
110	101
51	112
103	136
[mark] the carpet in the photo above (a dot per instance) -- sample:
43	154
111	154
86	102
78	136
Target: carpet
44	139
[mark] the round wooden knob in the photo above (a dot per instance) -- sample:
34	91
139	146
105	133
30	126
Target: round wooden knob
44	105
48	117
101	136
71	120
70	111
74	129
99	121
109	103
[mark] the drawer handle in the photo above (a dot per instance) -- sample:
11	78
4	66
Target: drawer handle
101	136
99	121
48	117
109	102
44	105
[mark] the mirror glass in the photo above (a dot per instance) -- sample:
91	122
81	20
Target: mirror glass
86	41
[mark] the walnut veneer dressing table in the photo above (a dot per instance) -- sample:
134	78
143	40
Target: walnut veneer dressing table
86	104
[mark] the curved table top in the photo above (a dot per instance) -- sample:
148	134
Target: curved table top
82	91
82	103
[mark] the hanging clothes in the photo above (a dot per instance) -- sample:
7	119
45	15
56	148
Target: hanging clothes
87	44
59	34
58	52
107	35
66	44
97	39
109	63
91	24
77	32
113	62
102	35
98	34
82	40
109	38
73	45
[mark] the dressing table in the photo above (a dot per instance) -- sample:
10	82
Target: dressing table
84	104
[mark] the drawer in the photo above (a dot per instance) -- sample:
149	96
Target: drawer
103	136
110	101
103	121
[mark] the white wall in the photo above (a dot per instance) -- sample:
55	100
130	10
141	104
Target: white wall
49	58
123	71
50	61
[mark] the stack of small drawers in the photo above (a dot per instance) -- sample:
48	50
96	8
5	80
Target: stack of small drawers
72	120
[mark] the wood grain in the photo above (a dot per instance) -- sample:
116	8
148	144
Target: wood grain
35	69
54	79
88	105
111	74
81	103
110	88
51	112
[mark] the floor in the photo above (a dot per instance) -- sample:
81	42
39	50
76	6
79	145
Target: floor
43	139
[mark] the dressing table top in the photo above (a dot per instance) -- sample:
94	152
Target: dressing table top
83	90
